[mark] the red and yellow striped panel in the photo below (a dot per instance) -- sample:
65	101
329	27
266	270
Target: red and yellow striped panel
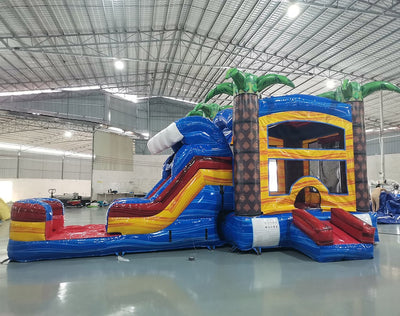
284	203
151	224
27	231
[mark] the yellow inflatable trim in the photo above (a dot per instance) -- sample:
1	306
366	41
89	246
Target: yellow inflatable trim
151	224
27	231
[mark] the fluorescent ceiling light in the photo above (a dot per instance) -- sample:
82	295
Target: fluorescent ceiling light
44	151
67	134
82	88
119	64
330	84
7	94
130	97
29	92
112	90
116	129
293	11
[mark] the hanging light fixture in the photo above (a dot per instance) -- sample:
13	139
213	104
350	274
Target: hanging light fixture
119	64
330	83
67	134
293	11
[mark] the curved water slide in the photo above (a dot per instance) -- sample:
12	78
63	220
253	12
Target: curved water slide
202	157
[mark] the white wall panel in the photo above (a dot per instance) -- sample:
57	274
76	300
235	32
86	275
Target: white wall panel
34	188
147	171
392	170
112	152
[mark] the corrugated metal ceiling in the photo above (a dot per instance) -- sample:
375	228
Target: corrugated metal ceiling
182	48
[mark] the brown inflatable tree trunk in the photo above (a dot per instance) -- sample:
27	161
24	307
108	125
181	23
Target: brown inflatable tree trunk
360	156
246	168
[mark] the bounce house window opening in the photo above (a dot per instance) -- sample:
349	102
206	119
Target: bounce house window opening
273	175
283	173
305	134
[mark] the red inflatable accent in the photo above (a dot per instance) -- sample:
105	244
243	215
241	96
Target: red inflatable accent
160	185
58	222
353	226
154	207
27	212
56	206
320	232
80	232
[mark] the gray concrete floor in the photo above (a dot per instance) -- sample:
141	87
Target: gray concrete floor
217	282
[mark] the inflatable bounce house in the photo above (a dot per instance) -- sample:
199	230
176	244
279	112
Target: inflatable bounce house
388	208
269	173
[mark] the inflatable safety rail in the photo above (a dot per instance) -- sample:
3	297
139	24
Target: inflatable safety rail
343	236
320	232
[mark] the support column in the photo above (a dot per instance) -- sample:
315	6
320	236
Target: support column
246	155
381	141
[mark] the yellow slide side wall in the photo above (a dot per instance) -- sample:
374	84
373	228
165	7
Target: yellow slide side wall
151	224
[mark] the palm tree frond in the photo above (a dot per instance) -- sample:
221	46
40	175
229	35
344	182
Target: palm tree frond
238	78
329	95
195	113
371	87
226	87
270	79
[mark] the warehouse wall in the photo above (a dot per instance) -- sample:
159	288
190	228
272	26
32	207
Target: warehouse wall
17	189
392	170
37	166
87	105
147	116
391	147
147	171
113	163
391	143
162	112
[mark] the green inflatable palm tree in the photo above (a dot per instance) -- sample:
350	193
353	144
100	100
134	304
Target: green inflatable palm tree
246	172
207	110
354	93
246	83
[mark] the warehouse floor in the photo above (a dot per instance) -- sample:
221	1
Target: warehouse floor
217	282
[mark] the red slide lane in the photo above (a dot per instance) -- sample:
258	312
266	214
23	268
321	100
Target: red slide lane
154	207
